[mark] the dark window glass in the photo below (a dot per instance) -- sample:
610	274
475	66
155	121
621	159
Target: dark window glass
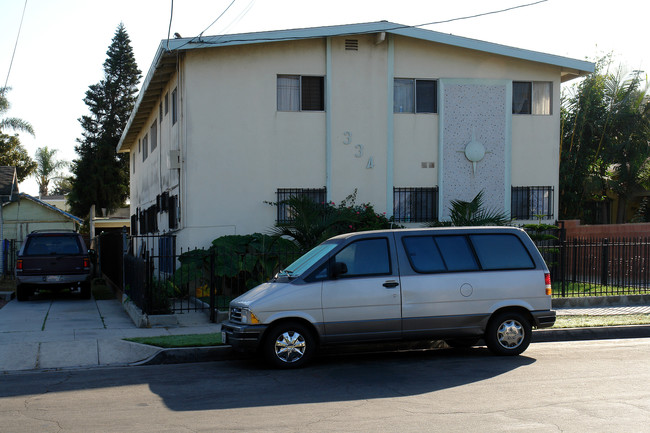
522	93
313	93
174	106
426	96
366	257
456	253
501	252
423	254
52	245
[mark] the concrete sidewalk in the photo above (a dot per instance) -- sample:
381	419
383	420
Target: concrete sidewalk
65	333
74	333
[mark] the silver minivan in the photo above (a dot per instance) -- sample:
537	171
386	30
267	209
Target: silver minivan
460	285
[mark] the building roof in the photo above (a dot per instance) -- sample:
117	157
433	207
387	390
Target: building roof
22	195
165	61
8	183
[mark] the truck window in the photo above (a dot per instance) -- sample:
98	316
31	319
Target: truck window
366	257
502	251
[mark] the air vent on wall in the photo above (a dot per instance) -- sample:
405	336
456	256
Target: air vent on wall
352	45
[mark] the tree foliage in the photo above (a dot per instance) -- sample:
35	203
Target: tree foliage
472	213
12	153
100	175
605	133
48	168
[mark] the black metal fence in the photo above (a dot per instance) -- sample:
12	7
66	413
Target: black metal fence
160	281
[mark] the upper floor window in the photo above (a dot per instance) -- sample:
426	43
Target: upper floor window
531	97
301	93
174	106
145	147
415	96
154	135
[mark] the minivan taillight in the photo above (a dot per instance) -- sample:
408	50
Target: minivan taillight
86	263
19	264
547	282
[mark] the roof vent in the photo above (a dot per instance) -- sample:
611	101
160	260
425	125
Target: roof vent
351	45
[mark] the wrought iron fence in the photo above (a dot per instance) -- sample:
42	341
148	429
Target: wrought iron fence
160	281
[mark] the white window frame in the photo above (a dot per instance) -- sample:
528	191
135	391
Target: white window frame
541	99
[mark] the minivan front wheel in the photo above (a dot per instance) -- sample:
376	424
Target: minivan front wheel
289	345
508	333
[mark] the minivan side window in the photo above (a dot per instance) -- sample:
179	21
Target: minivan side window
365	257
502	251
440	253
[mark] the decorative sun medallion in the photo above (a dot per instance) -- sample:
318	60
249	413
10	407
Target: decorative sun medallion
474	151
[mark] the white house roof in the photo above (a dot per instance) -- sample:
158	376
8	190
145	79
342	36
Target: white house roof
165	61
50	207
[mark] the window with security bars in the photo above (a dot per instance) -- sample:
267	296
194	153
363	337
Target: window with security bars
529	202
318	195
415	204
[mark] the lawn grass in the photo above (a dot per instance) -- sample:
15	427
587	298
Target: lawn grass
214	339
595	321
174	341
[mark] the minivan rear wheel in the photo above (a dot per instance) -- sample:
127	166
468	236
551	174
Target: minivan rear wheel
288	345
508	333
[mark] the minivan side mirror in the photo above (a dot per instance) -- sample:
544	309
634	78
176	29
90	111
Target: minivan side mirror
339	268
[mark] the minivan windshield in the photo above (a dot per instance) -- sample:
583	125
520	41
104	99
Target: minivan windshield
307	260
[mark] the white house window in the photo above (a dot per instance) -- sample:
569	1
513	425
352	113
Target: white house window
174	106
300	93
531	97
528	202
145	148
166	103
154	135
133	162
415	204
415	96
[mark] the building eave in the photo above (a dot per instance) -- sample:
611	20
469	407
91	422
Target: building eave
165	61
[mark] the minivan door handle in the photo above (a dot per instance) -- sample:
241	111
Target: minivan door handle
390	284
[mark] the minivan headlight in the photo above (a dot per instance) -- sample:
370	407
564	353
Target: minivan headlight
248	317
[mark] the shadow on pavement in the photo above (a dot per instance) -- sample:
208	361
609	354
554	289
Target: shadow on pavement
247	383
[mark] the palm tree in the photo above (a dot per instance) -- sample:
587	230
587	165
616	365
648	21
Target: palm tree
47	168
472	213
11	122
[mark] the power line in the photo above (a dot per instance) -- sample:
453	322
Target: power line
16	44
169	29
222	13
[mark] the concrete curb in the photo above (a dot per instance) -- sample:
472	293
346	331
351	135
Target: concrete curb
595	333
225	353
185	355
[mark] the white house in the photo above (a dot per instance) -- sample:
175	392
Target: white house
410	118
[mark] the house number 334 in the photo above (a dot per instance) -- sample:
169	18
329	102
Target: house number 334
347	140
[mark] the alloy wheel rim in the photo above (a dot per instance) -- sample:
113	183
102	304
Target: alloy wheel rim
290	346
511	334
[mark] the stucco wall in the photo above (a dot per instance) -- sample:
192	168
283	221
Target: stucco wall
238	149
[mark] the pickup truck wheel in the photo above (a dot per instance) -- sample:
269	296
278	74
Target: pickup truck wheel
508	334
288	345
23	292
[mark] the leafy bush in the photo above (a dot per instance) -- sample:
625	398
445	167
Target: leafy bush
314	222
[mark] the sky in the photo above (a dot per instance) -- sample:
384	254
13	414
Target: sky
62	44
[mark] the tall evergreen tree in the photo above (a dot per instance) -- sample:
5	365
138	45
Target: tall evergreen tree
100	175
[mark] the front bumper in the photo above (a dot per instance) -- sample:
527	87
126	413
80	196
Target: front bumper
544	319
242	338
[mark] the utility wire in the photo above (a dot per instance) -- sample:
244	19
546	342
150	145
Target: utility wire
16	44
222	13
169	29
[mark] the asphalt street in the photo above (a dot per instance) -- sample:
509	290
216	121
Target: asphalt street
587	386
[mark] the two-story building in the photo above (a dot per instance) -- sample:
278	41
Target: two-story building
409	118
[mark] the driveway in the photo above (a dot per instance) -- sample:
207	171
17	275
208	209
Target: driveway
63	331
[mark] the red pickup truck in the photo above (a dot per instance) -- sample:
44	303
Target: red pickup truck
53	260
